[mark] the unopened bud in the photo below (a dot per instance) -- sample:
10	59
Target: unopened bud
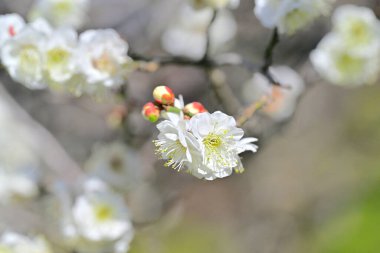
151	112
194	108
164	95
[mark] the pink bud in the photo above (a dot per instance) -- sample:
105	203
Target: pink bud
164	95
151	112
194	108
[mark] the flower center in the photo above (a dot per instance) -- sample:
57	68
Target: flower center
349	64
62	8
359	33
57	56
103	212
116	163
104	64
212	141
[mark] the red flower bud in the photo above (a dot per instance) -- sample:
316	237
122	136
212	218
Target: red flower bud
164	95
194	108
151	112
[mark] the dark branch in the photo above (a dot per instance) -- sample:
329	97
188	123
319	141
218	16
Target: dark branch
208	35
268	56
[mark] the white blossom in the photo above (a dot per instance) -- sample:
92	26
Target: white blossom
350	54
16	243
175	143
17	185
290	15
102	58
186	36
10	25
98	220
23	59
116	164
282	100
206	146
61	12
220	142
358	28
59	56
341	66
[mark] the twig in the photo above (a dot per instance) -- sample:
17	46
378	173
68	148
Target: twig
208	35
229	59
251	110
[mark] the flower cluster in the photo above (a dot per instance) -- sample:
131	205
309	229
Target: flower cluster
350	54
206	145
38	56
290	15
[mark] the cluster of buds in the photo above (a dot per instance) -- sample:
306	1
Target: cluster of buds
165	101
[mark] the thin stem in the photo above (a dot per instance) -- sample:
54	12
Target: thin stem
251	110
229	59
208	35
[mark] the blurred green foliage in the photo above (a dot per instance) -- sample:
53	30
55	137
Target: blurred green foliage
356	227
187	237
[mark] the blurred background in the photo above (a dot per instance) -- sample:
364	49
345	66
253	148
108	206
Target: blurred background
313	186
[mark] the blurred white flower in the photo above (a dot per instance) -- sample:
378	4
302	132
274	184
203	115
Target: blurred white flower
340	65
22	57
116	164
59	56
282	100
102	57
61	12
19	165
17	185
98	220
187	34
358	28
216	4
15	243
290	15
10	25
